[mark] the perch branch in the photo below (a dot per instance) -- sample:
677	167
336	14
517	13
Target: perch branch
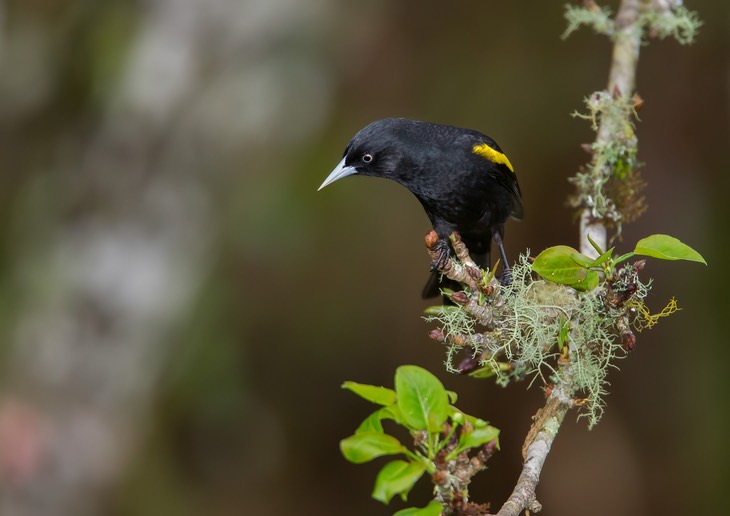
463	270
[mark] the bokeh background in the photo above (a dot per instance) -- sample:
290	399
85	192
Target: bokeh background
179	305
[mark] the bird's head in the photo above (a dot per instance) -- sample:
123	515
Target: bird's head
374	151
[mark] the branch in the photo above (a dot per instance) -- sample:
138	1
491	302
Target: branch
463	269
537	445
621	80
627	40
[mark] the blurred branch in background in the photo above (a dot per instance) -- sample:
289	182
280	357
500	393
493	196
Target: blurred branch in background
123	124
111	279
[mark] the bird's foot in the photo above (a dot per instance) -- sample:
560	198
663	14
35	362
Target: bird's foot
506	278
441	253
439	249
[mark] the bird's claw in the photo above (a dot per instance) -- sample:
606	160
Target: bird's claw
506	278
444	253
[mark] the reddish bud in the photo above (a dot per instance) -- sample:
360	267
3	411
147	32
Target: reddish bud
639	265
437	335
629	341
440	477
457	340
460	298
431	239
468	365
637	101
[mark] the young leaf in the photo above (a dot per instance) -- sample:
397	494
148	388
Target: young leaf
563	335
432	509
366	446
558	264
484	372
666	247
372	423
372	393
441	310
452	396
476	422
490	370
602	259
594	244
397	477
421	398
459	417
476	438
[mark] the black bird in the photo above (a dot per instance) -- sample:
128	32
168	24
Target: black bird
461	177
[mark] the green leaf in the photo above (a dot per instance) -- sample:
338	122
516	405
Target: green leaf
366	446
588	283
453	397
581	259
476	422
441	310
458	417
397	477
476	438
563	335
483	372
623	257
602	259
490	370
372	423
666	247
372	393
558	264
422	399
594	244
432	509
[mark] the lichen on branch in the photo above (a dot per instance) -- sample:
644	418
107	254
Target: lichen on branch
527	329
608	188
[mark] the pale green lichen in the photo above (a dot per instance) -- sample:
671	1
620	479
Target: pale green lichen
454	321
679	23
655	20
598	18
533	316
610	185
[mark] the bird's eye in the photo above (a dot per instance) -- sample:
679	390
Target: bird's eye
367	158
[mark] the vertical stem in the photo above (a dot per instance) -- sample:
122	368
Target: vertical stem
621	81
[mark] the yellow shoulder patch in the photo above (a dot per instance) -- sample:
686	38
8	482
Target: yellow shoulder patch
485	151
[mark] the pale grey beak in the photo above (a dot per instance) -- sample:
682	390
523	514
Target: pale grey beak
339	172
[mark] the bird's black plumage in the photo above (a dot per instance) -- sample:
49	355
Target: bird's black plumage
462	178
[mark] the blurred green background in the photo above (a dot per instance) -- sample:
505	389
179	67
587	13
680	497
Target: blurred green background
179	305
